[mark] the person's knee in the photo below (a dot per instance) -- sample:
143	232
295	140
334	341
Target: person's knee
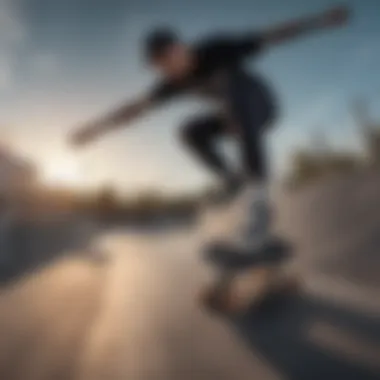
192	134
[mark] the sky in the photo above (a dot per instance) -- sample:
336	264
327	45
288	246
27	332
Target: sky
63	62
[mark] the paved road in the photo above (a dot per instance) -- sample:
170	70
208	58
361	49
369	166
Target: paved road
128	311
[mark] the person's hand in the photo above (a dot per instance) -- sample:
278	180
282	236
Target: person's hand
335	16
84	135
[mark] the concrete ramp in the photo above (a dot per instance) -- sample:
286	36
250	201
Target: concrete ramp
336	228
134	314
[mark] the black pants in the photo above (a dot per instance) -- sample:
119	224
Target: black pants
251	110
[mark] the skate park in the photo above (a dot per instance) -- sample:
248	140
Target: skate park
99	303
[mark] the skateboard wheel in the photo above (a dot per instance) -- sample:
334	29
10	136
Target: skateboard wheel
221	301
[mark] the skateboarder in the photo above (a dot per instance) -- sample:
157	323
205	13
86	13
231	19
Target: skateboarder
214	68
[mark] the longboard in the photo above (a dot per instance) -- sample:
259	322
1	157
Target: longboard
248	279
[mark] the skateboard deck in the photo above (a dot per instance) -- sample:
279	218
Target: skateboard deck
226	257
247	279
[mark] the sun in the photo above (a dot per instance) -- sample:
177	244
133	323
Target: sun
62	171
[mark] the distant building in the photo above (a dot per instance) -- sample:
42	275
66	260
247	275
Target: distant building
373	146
370	132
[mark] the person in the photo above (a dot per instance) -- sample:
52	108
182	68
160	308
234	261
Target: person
214	68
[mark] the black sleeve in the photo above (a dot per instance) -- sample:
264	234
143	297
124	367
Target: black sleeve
164	91
233	48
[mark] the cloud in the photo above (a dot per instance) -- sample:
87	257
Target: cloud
12	37
11	27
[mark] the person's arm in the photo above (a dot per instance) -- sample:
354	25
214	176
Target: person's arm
230	49
333	17
123	115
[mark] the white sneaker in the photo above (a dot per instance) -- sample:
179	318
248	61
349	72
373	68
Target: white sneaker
252	217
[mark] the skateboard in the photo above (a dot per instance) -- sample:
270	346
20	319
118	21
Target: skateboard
248	279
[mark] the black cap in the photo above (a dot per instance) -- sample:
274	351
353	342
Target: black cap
157	41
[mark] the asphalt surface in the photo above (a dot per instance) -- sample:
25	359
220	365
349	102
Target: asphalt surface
128	309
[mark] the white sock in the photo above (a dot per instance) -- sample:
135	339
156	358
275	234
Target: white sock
249	216
258	210
259	191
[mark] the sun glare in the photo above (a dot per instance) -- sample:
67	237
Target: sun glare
62	172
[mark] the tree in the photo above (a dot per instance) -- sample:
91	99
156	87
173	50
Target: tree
106	202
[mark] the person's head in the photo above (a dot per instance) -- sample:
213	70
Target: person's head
166	53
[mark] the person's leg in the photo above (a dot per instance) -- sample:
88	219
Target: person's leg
255	161
200	135
251	111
